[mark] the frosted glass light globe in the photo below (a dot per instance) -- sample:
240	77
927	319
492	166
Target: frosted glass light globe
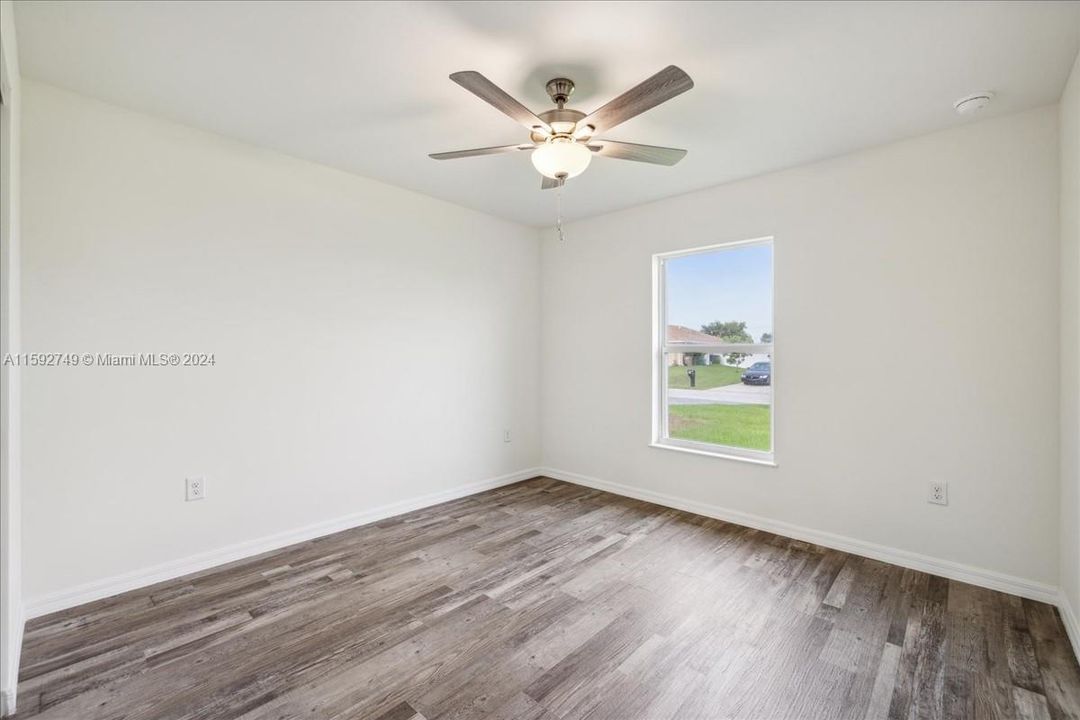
562	156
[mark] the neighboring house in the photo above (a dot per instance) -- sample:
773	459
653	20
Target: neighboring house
683	334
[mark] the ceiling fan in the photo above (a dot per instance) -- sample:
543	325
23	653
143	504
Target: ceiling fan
563	140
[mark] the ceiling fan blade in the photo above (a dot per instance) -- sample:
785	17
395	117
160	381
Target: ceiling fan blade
661	87
641	153
488	91
479	151
548	183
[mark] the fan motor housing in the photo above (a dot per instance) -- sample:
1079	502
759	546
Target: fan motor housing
558	115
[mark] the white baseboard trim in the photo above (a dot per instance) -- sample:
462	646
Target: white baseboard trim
935	566
1071	621
10	684
7	703
107	587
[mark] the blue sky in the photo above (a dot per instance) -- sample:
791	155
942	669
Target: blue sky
734	284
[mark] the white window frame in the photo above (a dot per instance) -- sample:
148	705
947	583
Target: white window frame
661	347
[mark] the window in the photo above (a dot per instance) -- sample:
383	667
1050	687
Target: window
713	354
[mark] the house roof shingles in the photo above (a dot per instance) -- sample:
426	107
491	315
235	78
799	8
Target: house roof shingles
683	334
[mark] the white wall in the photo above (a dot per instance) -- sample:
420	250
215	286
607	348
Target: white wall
11	614
933	262
372	344
1070	350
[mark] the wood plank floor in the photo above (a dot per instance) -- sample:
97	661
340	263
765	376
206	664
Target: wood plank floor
545	601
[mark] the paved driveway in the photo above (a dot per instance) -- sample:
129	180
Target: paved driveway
737	394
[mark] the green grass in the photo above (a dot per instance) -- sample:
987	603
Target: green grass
708	376
741	426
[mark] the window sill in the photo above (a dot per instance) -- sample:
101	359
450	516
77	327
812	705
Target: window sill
712	453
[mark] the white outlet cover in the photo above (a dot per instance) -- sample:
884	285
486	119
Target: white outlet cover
195	488
938	493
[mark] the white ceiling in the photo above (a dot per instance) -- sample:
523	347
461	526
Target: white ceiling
363	86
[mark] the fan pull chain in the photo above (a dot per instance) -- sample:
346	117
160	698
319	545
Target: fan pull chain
558	209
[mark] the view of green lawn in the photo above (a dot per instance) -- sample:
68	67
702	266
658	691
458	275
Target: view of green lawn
708	376
741	426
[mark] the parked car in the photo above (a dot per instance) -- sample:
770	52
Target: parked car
760	373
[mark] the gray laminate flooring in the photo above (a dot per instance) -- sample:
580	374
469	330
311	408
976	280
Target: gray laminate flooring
545	601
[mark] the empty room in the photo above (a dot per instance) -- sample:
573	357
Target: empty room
539	360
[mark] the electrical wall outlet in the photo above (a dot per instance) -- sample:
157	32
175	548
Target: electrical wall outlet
939	492
196	488
506	436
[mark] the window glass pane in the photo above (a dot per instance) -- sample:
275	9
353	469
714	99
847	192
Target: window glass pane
721	296
720	293
720	399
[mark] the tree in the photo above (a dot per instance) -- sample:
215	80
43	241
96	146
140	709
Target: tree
733	331
766	338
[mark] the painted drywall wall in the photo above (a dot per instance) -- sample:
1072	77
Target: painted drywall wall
11	612
371	344
1070	349
916	324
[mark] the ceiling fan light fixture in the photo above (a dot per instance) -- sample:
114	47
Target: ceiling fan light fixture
563	140
561	158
